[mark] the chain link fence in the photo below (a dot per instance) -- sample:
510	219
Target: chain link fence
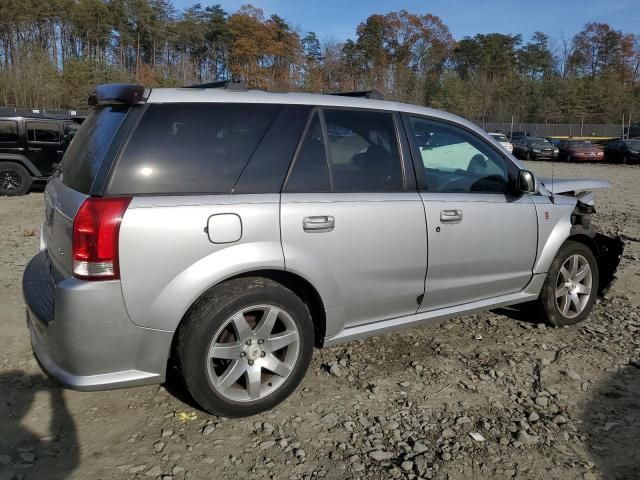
628	126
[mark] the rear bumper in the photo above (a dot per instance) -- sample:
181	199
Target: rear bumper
82	336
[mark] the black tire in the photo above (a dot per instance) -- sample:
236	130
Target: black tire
14	179
210	313
569	159
528	156
626	159
547	298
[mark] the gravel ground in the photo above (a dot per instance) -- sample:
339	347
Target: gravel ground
488	396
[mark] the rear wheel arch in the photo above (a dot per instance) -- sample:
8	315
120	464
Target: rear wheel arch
23	162
302	288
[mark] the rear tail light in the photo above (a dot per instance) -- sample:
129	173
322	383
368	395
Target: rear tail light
95	238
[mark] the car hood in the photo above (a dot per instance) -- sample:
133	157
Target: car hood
561	185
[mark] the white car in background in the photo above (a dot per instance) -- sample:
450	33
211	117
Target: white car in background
503	140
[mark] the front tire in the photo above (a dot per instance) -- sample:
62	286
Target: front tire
571	286
14	179
245	347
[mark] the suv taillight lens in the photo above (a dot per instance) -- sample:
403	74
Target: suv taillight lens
95	238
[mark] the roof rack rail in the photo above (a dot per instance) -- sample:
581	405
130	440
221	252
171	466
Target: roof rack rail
371	94
42	113
233	84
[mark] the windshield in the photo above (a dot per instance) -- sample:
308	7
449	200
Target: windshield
539	142
634	144
499	137
83	158
583	144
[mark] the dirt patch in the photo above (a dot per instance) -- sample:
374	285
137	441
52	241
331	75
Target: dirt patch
541	403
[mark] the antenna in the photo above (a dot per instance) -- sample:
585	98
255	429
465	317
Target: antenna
553	161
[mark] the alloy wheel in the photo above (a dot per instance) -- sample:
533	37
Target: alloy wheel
573	286
9	181
253	353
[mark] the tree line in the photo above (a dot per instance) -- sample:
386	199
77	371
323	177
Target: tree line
52	54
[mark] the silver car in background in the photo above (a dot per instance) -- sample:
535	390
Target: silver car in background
225	233
502	139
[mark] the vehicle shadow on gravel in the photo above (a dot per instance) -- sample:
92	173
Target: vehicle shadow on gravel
611	424
53	452
525	312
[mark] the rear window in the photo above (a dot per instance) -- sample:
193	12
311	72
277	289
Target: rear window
84	156
191	148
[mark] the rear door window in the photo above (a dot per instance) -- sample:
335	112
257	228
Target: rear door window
8	131
187	148
311	172
357	152
43	132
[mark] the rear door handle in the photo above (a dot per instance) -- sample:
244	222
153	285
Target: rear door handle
451	216
317	224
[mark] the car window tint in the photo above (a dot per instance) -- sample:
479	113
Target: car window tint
310	172
364	151
191	147
44	132
83	158
8	131
454	160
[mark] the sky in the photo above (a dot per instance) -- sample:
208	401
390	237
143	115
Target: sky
337	19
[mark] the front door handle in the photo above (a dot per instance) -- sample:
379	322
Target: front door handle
317	224
451	216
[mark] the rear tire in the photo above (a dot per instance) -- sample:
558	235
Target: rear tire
14	179
571	286
232	350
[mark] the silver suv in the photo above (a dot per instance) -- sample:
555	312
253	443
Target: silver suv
224	233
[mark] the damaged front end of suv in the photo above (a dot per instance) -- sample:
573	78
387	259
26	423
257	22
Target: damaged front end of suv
608	249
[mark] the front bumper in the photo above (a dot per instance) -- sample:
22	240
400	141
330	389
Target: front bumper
82	336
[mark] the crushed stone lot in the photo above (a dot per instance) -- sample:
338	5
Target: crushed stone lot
495	395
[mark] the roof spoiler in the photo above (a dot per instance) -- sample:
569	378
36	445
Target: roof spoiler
233	84
117	93
371	94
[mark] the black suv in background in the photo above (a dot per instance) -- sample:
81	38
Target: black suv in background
30	146
533	148
623	151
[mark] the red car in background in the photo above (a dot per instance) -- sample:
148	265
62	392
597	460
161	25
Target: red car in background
579	151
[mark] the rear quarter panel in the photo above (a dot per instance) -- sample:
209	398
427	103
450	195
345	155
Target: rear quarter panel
167	260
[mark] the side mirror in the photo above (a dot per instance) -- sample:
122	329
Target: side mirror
527	182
